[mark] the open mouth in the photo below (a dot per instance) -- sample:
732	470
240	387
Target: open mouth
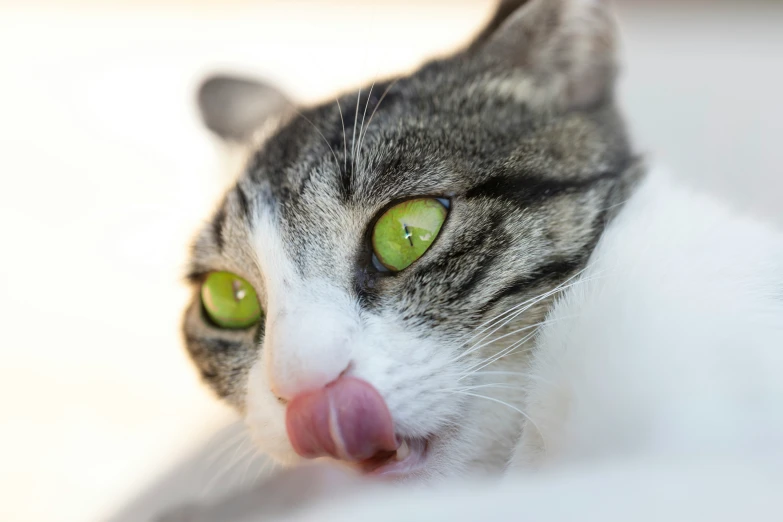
409	457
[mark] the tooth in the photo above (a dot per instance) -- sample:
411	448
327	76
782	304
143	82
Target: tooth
403	451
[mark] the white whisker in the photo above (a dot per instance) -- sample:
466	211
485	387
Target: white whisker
364	114
336	161
253	457
225	447
499	338
375	109
353	139
228	467
525	415
503	372
503	385
517	312
515	332
533	300
269	464
345	144
503	353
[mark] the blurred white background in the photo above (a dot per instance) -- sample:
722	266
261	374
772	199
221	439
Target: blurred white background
105	173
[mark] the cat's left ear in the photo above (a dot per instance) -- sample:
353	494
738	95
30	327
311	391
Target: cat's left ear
233	107
566	49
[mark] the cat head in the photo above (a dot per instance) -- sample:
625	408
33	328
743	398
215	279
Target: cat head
374	278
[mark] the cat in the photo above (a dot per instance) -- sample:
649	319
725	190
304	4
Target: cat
516	138
468	271
656	377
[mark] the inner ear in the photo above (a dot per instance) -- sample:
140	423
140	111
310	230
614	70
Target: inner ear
234	107
566	48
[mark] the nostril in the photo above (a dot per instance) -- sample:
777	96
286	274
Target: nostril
281	398
348	370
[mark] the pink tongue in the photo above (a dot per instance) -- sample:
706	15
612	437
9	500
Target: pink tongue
348	420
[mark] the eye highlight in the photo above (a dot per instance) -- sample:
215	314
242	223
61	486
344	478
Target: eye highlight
406	231
230	301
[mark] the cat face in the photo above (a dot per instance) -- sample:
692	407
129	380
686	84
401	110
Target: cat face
391	252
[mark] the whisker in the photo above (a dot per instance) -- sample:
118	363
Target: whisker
509	385
503	372
531	299
610	207
562	286
228	467
525	415
353	139
233	442
520	330
477	347
364	114
253	457
375	109
516	314
345	144
499	338
503	353
270	464
336	161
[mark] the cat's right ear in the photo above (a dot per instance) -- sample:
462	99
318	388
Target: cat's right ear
233	107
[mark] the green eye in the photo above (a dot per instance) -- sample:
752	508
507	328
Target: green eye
405	232
230	301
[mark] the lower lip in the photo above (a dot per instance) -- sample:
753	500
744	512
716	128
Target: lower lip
392	468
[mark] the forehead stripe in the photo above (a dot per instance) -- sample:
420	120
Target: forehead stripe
526	189
218	223
244	203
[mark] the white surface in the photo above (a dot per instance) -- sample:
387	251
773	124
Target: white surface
104	174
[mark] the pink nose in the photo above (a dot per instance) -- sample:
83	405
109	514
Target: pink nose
347	419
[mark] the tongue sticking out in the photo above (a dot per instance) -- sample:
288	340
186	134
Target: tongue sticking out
348	420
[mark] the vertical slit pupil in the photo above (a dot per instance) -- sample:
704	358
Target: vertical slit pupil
408	234
239	292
